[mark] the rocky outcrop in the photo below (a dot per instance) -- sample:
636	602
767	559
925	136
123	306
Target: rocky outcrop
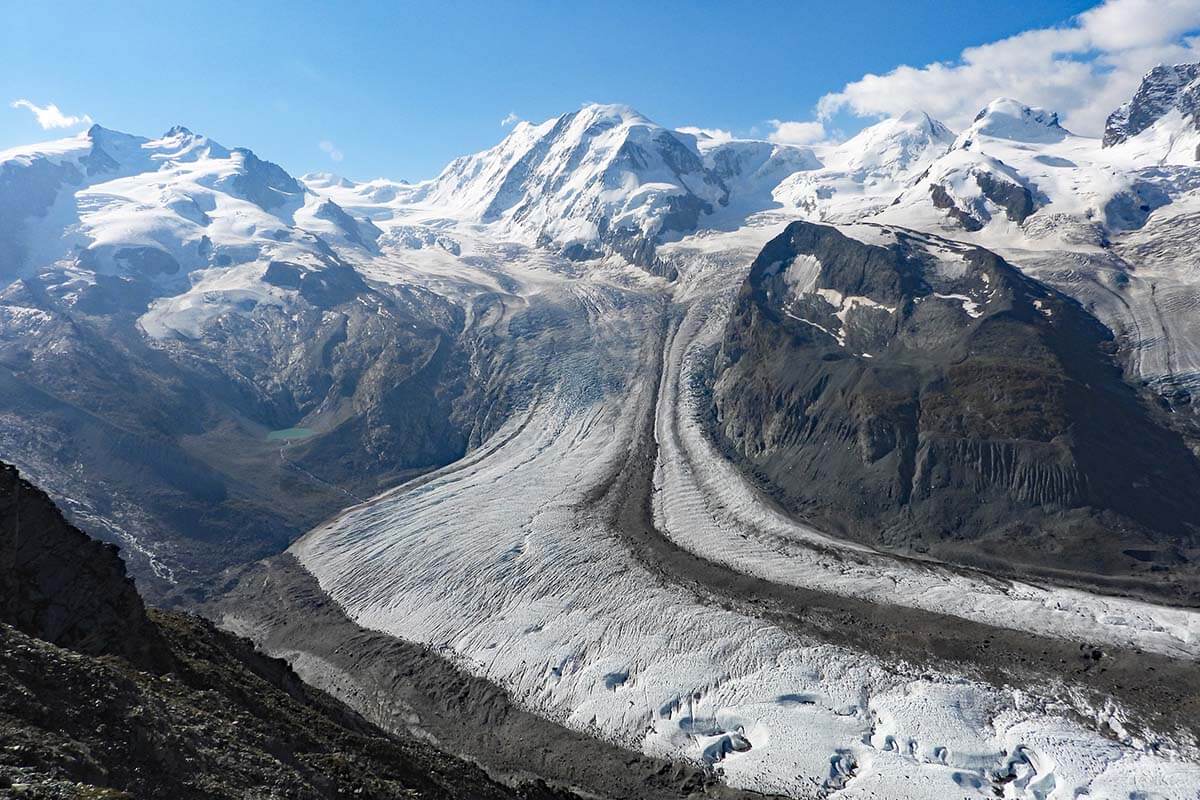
1162	89
1015	198
263	183
924	396
226	722
59	585
81	715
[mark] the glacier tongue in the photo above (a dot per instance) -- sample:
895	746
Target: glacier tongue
511	562
516	560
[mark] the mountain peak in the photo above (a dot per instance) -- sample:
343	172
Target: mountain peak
1005	118
916	117
893	145
325	180
98	132
614	112
1162	89
600	180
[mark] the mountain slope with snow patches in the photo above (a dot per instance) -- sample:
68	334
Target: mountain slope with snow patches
172	304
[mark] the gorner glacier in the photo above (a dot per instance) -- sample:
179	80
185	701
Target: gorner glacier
594	545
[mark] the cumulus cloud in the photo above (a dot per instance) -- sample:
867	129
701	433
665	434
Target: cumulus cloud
796	132
49	116
707	133
1082	69
331	150
510	118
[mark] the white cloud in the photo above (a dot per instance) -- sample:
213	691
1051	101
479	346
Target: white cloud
331	150
1129	24
510	118
49	116
1083	69
711	133
796	132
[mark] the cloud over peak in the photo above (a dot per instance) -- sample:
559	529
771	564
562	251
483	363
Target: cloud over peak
716	134
49	116
1083	69
796	132
331	150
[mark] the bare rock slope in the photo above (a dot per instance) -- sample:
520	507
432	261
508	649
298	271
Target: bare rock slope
926	397
100	698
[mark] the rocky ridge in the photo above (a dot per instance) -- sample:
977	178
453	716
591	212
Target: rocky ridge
101	698
1162	89
926	397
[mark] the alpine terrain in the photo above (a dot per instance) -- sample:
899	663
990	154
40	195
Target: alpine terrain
613	461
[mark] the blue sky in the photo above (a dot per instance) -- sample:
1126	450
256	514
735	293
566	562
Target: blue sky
398	89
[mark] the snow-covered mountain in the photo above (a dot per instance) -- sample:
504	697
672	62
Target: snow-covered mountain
865	173
873	365
598	181
203	356
222	262
168	304
601	179
180	216
1164	89
1086	215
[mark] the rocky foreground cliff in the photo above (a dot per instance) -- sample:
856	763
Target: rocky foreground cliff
102	698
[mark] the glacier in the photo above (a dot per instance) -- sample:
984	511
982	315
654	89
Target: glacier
595	555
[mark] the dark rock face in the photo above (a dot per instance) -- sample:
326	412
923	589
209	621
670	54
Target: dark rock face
61	586
956	408
226	722
168	440
1163	88
1008	193
148	261
941	199
1015	199
263	183
213	718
